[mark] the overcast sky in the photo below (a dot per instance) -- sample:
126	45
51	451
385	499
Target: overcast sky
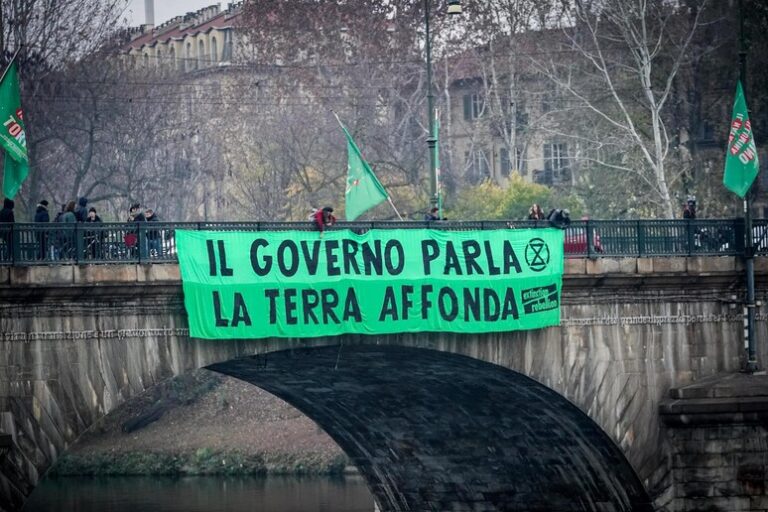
166	9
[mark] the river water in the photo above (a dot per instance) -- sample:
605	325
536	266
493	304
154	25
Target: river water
201	494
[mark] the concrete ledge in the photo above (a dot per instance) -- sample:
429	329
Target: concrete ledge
761	264
42	276
726	398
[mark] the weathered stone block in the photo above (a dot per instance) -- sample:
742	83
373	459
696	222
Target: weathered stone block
5	275
628	265
54	274
105	274
158	273
603	266
644	265
761	264
575	266
677	265
733	504
710	264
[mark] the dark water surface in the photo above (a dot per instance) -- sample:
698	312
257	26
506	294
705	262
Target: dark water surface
201	494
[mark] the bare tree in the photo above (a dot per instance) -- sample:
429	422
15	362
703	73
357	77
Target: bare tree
619	65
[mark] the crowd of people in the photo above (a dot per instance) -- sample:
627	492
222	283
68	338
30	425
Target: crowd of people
62	244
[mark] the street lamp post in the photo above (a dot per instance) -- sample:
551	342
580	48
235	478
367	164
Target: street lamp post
454	7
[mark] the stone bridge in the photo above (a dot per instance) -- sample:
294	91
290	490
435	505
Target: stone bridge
563	418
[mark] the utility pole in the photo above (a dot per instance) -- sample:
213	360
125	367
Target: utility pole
749	247
434	198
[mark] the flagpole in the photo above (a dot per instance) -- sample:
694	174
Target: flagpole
8	67
388	196
749	250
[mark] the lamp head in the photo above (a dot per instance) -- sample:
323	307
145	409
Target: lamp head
454	7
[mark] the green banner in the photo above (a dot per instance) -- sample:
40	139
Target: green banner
296	284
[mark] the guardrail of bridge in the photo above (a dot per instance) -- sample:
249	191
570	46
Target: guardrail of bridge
103	243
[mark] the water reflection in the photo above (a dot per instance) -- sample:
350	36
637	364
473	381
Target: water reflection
201	494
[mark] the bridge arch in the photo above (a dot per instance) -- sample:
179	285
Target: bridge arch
433	430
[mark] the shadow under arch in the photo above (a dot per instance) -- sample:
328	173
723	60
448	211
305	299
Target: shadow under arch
433	430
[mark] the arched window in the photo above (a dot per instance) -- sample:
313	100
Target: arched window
159	56
190	62
146	60
172	53
214	50
200	54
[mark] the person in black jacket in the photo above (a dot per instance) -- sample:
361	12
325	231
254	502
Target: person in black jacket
81	212
6	216
93	238
41	215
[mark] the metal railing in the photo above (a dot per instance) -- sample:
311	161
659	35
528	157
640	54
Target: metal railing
103	243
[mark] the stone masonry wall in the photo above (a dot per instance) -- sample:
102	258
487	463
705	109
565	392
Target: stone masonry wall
76	342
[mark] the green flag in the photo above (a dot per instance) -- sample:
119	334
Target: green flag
13	138
741	163
363	188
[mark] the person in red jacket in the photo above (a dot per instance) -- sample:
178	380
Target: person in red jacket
324	218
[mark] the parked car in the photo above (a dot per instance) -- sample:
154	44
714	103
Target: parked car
576	242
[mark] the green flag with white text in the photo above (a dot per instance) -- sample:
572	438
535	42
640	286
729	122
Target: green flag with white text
363	188
13	137
741	164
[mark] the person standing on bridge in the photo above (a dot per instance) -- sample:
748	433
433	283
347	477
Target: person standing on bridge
324	218
153	235
134	238
6	232
41	215
66	238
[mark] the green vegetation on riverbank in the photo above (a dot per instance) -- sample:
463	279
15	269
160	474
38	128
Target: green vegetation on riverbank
201	462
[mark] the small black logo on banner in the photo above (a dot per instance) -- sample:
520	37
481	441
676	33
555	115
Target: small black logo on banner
536	300
537	254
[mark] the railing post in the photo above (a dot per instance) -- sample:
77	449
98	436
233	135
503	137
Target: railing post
589	239
15	252
78	234
640	239
690	236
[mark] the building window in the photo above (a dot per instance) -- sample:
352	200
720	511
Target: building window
146	60
200	55
478	167
214	50
474	106
556	168
172	54
158	55
507	165
189	61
